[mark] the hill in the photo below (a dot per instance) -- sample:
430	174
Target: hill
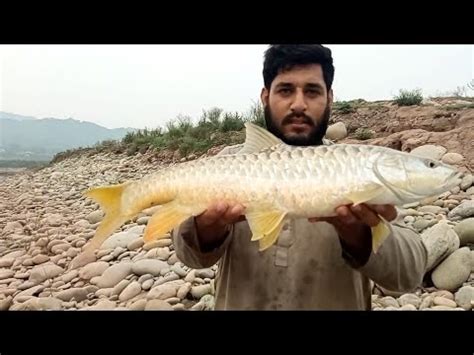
28	138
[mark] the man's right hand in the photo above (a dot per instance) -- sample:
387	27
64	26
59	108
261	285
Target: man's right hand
213	224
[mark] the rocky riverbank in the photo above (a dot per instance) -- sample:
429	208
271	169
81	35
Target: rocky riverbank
45	222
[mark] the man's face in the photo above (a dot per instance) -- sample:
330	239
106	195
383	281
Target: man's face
298	105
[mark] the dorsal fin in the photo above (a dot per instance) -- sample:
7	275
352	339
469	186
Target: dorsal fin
257	138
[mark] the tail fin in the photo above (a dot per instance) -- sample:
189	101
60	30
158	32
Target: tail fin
109	198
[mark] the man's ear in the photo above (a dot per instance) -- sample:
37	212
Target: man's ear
330	97
264	96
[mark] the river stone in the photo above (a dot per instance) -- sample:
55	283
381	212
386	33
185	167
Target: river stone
95	217
466	182
464	210
135	244
93	269
41	303
464	297
442	301
113	275
430	151
122	239
452	158
6	274
148	266
158	304
409	298
138	305
336	131
79	294
201	290
103	304
430	209
163	291
132	290
120	287
6	262
440	241
43	272
427	302
408	307
453	271
465	231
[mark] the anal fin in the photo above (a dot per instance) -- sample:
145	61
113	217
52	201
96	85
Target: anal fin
268	240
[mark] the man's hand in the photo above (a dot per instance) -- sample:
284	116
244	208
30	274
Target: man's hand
353	224
213	224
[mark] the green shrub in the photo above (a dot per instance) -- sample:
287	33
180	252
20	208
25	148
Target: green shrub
344	107
364	133
409	98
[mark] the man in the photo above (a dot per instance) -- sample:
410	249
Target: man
320	264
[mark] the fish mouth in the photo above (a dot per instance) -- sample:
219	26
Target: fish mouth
453	179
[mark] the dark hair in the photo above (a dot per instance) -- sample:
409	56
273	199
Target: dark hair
284	57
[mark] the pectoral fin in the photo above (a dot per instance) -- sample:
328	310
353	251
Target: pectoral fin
358	197
265	224
379	233
164	220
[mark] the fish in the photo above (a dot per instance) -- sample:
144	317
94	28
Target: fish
274	182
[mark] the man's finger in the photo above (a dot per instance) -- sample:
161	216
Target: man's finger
366	215
345	215
233	214
213	214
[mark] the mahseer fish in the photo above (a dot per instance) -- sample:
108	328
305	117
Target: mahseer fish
273	181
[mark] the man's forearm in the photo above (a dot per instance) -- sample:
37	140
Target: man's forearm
188	248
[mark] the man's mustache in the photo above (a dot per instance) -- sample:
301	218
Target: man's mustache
301	117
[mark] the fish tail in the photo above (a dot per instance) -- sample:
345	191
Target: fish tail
109	199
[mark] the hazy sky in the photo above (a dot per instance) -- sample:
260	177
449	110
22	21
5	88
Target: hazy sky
147	85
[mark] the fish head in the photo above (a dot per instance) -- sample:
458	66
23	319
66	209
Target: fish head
412	178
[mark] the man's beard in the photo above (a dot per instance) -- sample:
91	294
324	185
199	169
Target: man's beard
318	130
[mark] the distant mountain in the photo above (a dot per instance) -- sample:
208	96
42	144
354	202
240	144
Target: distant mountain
28	138
12	116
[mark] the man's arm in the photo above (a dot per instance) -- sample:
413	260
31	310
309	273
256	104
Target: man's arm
400	262
201	241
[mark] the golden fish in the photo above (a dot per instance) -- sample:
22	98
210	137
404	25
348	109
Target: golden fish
273	181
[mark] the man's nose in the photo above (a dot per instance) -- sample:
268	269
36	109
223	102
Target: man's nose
299	103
